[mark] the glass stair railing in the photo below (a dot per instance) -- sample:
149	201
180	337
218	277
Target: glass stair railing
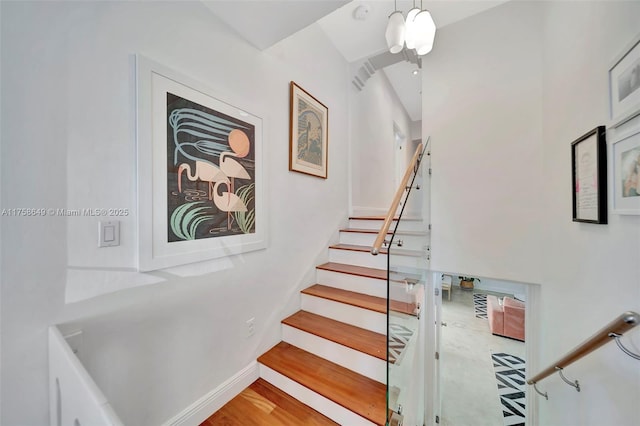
404	239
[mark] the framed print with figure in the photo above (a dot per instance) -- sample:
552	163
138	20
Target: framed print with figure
200	171
589	177
308	133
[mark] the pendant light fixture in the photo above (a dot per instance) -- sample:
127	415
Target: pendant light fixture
395	31
418	32
410	31
425	33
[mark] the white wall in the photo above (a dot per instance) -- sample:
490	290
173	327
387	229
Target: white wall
68	140
374	110
482	109
416	130
505	94
591	273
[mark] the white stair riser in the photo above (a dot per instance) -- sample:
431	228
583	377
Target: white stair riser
410	271
355	283
360	258
409	242
364	285
357	238
409	263
363	318
335	412
367	365
400	293
406	225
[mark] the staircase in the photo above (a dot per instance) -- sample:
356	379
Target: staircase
334	350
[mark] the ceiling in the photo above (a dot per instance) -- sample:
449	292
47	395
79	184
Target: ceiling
265	22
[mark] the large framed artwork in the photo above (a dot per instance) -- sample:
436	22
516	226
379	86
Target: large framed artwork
625	153
624	83
589	177
200	175
308	133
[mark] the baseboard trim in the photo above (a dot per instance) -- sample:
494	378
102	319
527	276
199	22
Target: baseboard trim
204	407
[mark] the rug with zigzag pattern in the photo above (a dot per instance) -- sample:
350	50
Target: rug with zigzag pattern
510	375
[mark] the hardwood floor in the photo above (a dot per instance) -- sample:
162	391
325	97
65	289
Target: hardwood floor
262	404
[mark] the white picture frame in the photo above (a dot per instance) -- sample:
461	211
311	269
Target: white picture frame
207	217
624	84
625	151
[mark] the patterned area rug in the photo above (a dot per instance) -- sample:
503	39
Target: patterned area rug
480	305
399	337
510	375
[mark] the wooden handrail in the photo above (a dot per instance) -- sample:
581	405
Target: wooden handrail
617	327
396	201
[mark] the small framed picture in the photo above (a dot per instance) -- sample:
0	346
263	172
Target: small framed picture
624	84
625	152
589	177
308	133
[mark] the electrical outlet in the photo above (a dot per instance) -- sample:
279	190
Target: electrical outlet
251	329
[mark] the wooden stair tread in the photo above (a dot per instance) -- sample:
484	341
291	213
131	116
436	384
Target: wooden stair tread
362	271
357	393
366	249
370	218
261	403
374	231
367	272
365	341
413	219
364	301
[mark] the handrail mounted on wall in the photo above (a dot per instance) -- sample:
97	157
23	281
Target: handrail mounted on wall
614	330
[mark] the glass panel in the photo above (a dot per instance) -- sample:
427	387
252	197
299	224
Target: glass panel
407	268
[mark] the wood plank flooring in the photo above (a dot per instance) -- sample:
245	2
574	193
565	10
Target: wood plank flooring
262	404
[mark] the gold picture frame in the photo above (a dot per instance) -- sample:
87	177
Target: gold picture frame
308	133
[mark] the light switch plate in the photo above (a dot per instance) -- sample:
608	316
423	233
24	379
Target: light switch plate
109	233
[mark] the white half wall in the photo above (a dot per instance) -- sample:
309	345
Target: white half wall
591	273
505	94
154	343
482	108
